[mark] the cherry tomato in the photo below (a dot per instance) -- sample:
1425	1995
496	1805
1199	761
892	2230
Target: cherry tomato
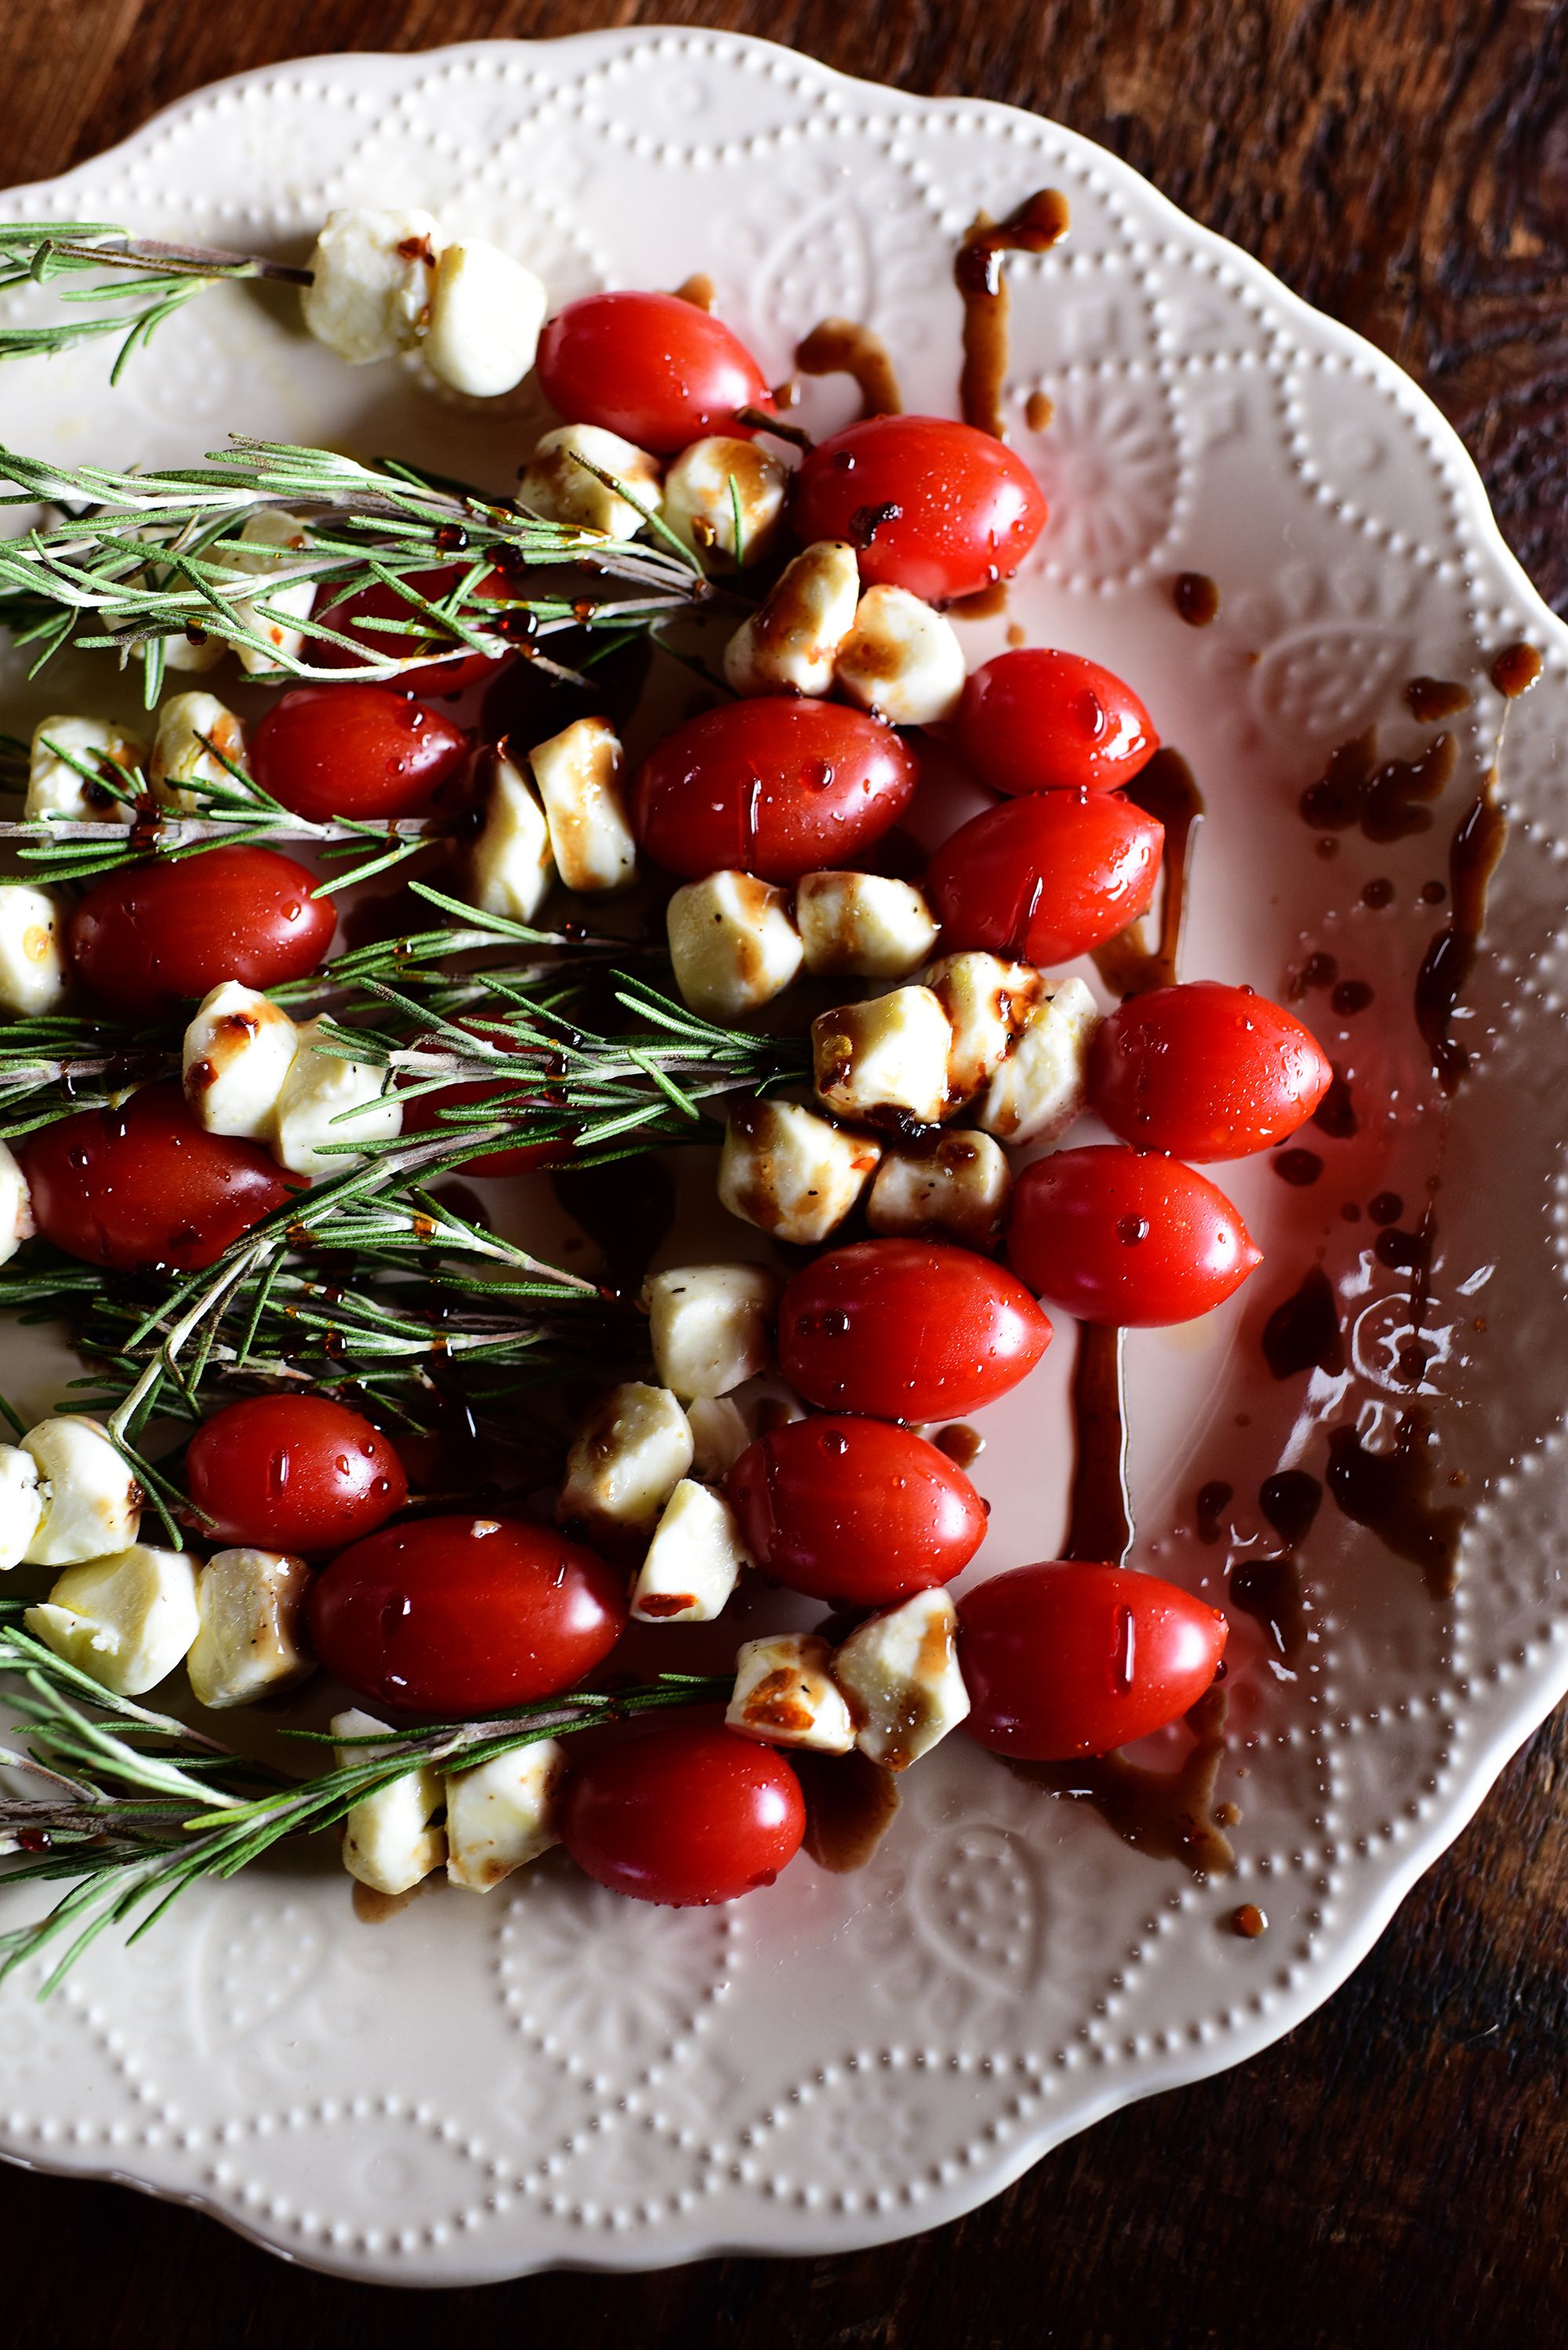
448	676
1045	878
855	1510
1114	1236
1037	721
651	367
771	786
1061	1660
687	1815
144	1186
424	1115
906	1330
149	938
928	504
1205	1071
293	1473
459	1615
354	750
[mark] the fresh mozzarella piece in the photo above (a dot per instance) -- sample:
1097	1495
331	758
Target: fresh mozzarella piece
785	1695
732	942
863	925
17	1223
960	1188
556	484
714	479
55	787
22	1503
127	1619
251	1636
790	1172
327	1102
578	773
33	974
718	1436
190	655
235	1058
889	1055
486	316
92	1503
627	1459
511	867
693	1561
900	1672
1040	1089
180	754
988	1003
791	642
271	527
502	1815
711	1326
901	660
374	276
389	1843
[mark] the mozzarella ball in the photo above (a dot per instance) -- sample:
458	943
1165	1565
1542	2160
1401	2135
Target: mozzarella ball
578	773
712	480
127	1619
23	1502
732	942
92	1503
251	1640
790	1172
486	315
863	925
711	1326
627	1459
718	1436
503	1814
556	485
55	787
1040	1086
693	1561
389	1843
327	1103
512	867
959	1189
784	1695
374	282
34	974
235	1058
888	1054
901	660
791	642
901	1672
181	757
271	527
17	1223
987	1002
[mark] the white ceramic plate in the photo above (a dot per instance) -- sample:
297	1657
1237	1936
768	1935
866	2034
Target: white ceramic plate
550	2074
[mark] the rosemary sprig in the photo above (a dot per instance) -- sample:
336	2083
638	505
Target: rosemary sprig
160	280
140	1805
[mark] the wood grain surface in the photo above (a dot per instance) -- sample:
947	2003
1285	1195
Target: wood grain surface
1397	2171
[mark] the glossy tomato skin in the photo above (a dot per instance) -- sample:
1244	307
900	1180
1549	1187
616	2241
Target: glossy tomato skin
652	368
928	504
687	1815
354	750
145	1186
1205	1071
1039	720
1112	1235
855	1510
1047	877
449	676
292	1472
459	1616
771	787
153	937
1062	1659
906	1330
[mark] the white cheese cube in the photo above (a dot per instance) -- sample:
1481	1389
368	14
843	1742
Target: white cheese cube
901	660
127	1619
718	1436
502	1815
92	1503
578	773
374	280
790	1172
708	483
252	1636
693	1561
987	1002
271	527
711	1326
556	485
732	942
627	1459
55	787
486	315
511	867
863	925
901	1674
784	1695
327	1102
960	1188
190	658
889	1054
1039	1089
22	1503
791	642
17	1223
180	754
389	1843
34	974
236	1055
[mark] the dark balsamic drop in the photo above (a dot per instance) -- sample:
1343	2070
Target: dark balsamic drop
841	347
1390	1493
1303	1333
850	1803
1290	1500
1472	860
1270	1591
1388	801
1335	1114
1099	1525
1213	1500
1195	597
1169	1814
1515	671
626	1206
1039	223
1167	790
1431	698
1297	1167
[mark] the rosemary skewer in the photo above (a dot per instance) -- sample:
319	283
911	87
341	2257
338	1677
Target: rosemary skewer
158	280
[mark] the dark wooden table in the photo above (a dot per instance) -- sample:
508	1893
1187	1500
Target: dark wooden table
1397	2171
